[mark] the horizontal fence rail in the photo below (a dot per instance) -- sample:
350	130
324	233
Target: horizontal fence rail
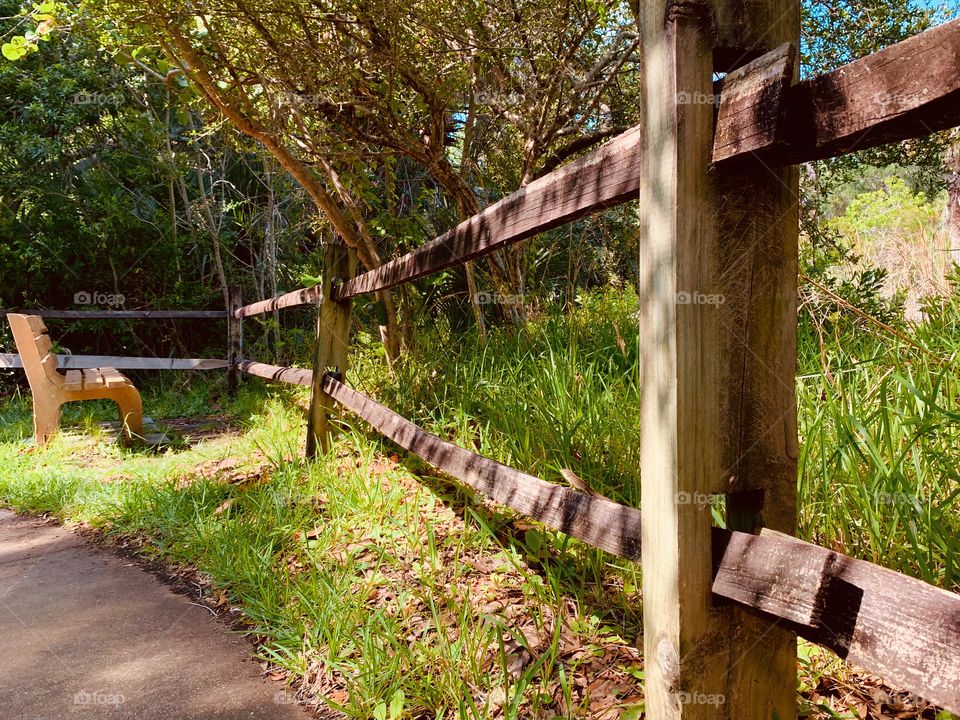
123	314
601	179
277	373
896	626
905	91
596	520
85	362
304	296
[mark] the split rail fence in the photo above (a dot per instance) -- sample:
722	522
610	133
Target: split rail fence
713	164
717	185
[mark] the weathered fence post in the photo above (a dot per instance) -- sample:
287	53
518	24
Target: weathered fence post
333	341
234	338
718	318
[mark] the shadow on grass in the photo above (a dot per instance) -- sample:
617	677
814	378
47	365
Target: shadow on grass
574	570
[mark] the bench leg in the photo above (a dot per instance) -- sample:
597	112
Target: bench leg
46	420
131	411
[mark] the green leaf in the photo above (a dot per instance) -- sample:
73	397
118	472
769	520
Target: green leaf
380	712
12	52
396	705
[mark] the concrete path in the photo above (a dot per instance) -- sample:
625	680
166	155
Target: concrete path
85	633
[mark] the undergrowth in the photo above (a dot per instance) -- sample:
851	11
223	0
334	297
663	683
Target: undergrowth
376	584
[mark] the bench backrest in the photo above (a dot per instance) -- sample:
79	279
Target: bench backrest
36	350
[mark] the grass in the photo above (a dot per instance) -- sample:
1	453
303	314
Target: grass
879	476
392	593
367	585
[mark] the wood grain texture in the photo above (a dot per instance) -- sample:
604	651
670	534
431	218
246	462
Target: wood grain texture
276	373
767	574
752	104
715	247
597	521
80	362
332	343
234	338
123	314
606	177
683	639
908	90
303	296
902	629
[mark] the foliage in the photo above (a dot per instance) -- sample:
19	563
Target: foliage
892	209
41	18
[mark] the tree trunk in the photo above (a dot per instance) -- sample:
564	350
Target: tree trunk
354	235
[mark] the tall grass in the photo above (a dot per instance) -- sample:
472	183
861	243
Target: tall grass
559	392
879	474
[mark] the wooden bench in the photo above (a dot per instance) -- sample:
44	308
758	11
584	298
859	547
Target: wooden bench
51	389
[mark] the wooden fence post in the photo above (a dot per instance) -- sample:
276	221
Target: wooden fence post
718	321
234	339
333	341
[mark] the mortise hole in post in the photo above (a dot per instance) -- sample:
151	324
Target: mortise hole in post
744	510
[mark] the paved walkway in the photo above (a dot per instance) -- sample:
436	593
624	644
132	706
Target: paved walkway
85	633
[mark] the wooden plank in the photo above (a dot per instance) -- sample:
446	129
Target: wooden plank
333	343
597	521
908	90
112	377
122	314
902	629
680	443
606	177
767	574
717	249
79	362
752	104
276	373
304	296
92	377
234	339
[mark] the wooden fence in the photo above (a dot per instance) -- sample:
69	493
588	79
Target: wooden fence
713	164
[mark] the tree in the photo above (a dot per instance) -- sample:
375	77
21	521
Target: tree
334	94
